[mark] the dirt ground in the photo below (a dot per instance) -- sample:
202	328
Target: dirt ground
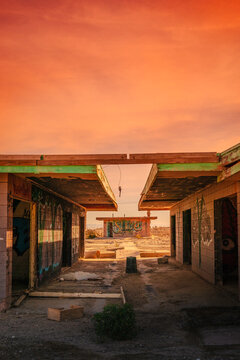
179	316
131	246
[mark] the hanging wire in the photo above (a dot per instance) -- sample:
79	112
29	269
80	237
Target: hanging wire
120	179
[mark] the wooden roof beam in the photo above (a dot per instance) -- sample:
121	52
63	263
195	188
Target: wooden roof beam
176	158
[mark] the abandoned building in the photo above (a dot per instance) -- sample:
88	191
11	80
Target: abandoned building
202	192
126	226
44	200
42	217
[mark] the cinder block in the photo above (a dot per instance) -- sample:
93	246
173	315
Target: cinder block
3	177
3	222
3	188
3	199
3	210
60	314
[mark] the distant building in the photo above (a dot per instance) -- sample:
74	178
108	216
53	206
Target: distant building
126	226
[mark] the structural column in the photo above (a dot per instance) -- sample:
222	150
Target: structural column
238	222
5	245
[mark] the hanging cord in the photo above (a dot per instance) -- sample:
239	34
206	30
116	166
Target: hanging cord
120	178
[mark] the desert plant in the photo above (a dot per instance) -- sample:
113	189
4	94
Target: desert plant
90	234
116	322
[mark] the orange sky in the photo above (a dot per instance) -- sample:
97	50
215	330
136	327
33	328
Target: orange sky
119	76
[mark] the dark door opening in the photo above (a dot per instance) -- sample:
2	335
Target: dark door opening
21	246
173	235
226	241
67	239
110	229
82	236
187	238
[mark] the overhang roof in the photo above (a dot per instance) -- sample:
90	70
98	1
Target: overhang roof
181	176
85	185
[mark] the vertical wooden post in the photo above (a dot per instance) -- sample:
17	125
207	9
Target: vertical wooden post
33	246
238	224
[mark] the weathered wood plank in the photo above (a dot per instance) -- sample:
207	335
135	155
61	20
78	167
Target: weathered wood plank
123	295
105	184
20	300
231	155
79	157
59	294
108	255
103	207
232	170
145	254
19	157
180	158
18	163
155	205
202	167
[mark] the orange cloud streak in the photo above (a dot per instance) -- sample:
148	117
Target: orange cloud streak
123	75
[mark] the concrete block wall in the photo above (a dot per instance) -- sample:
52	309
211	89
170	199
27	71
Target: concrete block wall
203	261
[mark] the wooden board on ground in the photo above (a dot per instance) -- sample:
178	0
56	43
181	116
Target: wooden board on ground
20	300
123	295
59	294
108	255
152	254
95	254
60	314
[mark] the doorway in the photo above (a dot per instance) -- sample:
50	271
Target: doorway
67	239
226	242
187	237
21	246
82	236
173	235
110	229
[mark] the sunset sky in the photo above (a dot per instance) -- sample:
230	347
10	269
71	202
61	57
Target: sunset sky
119	76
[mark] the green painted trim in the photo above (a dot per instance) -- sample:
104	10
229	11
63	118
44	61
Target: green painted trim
66	169
231	149
229	172
189	167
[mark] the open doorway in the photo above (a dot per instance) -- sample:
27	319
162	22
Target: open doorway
173	235
187	237
226	242
21	246
67	239
82	236
110	229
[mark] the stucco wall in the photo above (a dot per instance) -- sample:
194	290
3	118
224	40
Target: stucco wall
202	226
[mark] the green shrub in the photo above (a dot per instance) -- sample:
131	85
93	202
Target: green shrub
91	236
116	322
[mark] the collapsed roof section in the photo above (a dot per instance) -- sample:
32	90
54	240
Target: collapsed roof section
85	185
179	175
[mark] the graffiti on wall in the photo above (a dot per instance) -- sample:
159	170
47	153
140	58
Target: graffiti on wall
21	227
50	232
201	226
75	235
123	226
